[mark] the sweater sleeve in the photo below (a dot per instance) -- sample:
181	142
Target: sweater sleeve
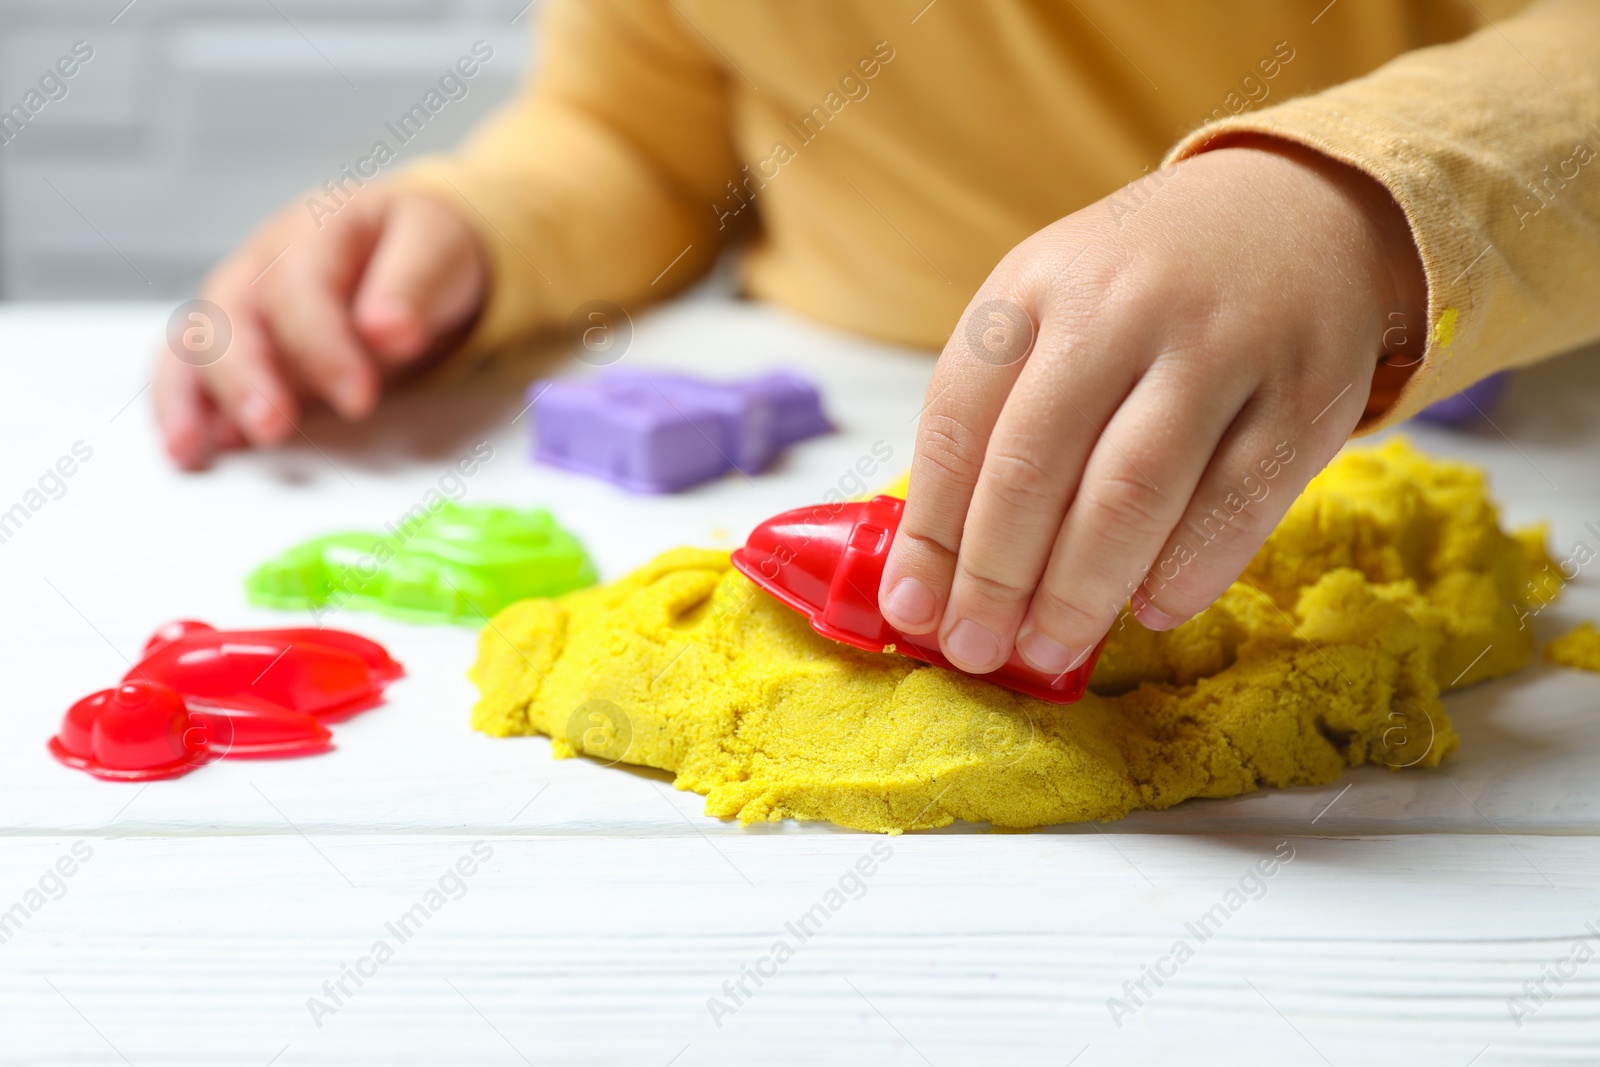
1489	145
598	181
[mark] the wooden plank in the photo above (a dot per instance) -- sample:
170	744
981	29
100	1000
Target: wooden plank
608	949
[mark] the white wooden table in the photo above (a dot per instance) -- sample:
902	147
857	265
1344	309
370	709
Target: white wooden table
213	907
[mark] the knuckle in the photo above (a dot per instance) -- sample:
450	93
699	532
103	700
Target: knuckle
1184	597
1125	506
1236	516
227	385
987	586
1019	480
227	283
1070	617
929	543
950	446
1082	288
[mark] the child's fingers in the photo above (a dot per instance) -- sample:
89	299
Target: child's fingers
1258	471
225	433
309	317
203	408
178	400
1030	471
1141	474
246	382
965	398
425	279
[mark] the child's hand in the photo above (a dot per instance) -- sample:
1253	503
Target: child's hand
324	313
1201	346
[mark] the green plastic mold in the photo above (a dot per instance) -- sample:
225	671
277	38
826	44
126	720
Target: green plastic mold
460	564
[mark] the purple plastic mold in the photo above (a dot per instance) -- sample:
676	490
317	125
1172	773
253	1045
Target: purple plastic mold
653	432
1470	403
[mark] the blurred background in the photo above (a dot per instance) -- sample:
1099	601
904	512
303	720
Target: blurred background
192	119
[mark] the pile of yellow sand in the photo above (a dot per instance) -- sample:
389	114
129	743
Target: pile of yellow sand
1389	579
1578	648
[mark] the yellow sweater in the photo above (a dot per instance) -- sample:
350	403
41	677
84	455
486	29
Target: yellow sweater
894	151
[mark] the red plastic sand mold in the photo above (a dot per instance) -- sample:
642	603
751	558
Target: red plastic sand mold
826	562
202	694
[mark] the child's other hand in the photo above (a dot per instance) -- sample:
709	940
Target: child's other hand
1188	336
321	313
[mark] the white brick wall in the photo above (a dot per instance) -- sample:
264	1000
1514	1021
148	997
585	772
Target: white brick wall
196	117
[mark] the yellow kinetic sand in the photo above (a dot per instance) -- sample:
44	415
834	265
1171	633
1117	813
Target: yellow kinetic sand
1579	648
1387	581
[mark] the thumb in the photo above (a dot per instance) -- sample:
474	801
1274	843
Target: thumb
425	280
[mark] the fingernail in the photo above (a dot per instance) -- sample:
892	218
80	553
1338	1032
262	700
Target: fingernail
394	323
186	446
385	311
256	413
971	642
1153	618
910	602
1044	653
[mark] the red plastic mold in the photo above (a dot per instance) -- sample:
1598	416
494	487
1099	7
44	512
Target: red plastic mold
202	694
327	673
136	732
826	562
